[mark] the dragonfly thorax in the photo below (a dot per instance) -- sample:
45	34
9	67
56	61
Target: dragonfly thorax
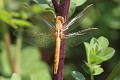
59	27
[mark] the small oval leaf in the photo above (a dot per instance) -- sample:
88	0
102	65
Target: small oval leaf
103	42
107	54
97	70
78	75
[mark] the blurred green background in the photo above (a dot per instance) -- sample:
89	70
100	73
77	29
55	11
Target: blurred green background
36	63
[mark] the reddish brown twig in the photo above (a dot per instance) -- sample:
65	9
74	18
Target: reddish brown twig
61	10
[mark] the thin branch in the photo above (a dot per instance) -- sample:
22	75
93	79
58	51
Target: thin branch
56	6
18	52
64	8
61	10
9	52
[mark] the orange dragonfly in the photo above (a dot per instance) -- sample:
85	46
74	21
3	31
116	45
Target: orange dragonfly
49	34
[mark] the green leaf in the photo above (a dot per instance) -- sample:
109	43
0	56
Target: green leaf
86	68
21	23
78	75
32	65
39	7
87	48
15	77
74	4
78	2
44	75
92	69
94	59
93	41
24	15
103	42
29	56
95	49
5	16
97	70
71	9
107	54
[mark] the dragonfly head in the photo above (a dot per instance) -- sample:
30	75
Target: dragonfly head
60	18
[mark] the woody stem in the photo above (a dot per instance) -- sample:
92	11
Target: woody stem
61	10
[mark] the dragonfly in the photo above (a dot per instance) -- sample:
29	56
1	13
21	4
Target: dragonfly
49	34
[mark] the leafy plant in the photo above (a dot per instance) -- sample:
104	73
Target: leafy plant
8	18
97	51
31	65
14	58
16	61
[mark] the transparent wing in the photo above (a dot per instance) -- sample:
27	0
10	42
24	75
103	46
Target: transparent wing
38	20
36	39
77	19
76	38
40	34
